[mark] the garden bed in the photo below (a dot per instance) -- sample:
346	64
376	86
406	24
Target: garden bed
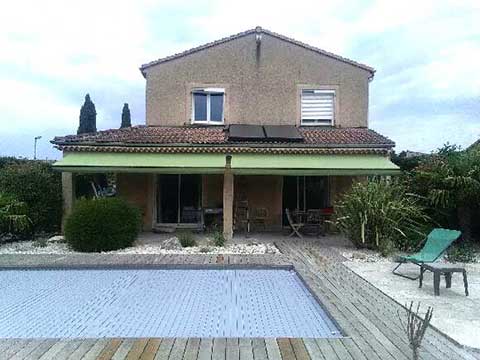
161	245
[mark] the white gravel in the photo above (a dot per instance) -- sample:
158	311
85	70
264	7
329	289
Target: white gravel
31	247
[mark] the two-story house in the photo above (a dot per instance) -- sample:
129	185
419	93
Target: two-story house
255	121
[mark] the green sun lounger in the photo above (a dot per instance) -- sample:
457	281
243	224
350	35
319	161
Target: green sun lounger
437	242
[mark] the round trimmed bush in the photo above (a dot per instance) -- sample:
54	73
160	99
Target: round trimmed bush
102	225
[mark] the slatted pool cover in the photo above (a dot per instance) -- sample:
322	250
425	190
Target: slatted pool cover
159	303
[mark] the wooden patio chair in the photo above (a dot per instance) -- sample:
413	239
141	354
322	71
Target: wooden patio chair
259	217
295	226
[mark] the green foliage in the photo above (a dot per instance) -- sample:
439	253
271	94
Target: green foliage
464	252
126	121
407	163
449	181
13	216
39	187
186	238
218	238
88	117
380	214
102	225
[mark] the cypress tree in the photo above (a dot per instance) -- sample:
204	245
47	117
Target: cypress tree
126	121
88	117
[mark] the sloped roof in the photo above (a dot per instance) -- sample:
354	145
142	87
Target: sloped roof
252	31
314	137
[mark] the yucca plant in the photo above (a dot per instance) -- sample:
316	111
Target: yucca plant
13	216
380	214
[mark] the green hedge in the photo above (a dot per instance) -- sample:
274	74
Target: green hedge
36	184
102	225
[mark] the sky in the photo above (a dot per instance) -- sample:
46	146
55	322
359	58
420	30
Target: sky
426	90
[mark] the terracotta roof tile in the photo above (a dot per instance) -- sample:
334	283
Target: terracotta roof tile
190	135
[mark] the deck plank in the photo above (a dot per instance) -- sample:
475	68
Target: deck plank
109	350
82	349
259	349
219	349
286	349
273	352
205	349
299	349
233	349
41	349
96	349
27	349
191	351
137	349
165	348
313	349
178	349
151	349
123	349
246	349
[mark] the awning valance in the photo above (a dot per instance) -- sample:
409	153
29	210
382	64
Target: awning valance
242	164
269	164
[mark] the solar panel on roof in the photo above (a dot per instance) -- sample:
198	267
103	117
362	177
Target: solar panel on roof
282	132
246	132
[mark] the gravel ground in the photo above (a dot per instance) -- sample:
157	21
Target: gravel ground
141	247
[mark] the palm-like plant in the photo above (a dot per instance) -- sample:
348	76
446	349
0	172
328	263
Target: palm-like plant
450	180
380	213
13	216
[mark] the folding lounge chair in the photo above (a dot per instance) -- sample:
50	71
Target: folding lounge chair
437	242
295	226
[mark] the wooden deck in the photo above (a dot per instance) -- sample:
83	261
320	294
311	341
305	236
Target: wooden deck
367	316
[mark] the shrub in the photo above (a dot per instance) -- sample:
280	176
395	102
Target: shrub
102	225
186	238
464	252
39	187
381	215
13	216
218	238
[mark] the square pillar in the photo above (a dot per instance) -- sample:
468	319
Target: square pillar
228	202
68	192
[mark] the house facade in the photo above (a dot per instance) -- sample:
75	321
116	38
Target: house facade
256	122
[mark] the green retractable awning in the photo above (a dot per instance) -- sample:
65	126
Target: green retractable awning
242	164
142	162
271	164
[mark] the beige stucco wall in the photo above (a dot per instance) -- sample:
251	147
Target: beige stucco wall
138	190
263	89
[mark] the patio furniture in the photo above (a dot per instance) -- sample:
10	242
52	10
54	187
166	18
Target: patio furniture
242	216
259	217
437	242
443	269
294	225
314	222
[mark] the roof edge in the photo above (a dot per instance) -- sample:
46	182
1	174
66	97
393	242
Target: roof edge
258	29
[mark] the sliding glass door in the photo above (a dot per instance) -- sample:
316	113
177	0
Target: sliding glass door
178	199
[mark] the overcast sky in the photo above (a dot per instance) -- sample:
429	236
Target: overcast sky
426	90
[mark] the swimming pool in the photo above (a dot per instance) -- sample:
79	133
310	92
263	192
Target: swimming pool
83	303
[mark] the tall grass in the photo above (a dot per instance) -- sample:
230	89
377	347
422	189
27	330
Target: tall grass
381	215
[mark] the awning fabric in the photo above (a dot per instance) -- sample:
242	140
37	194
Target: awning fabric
242	164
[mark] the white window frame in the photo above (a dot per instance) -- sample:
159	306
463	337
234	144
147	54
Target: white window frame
208	92
319	91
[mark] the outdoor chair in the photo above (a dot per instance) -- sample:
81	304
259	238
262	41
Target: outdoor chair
295	226
436	243
259	218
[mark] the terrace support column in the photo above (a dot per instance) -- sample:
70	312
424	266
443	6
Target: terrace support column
228	201
68	192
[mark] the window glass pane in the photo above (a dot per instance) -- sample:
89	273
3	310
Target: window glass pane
216	107
200	107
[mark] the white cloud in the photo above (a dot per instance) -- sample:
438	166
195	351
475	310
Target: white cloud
54	51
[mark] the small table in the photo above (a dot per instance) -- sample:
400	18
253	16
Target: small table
443	269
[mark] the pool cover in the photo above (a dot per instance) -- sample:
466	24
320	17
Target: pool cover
159	303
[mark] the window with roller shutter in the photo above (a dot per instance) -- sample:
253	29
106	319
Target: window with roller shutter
318	107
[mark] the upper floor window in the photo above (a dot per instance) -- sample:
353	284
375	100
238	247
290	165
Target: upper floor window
318	107
207	105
